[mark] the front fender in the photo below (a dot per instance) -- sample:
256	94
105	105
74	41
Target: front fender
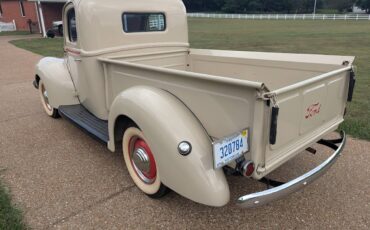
54	73
165	122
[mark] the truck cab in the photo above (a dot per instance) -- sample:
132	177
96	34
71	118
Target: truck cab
95	30
186	118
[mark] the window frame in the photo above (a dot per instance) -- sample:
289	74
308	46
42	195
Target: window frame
68	27
145	13
1	10
21	6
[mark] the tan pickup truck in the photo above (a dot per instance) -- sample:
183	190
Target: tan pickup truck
187	118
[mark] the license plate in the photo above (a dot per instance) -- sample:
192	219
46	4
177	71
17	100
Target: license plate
230	148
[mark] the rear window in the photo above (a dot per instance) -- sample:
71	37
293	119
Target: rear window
143	22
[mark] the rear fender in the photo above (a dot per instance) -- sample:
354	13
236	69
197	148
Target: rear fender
166	121
56	78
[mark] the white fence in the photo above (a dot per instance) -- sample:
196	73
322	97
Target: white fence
8	26
284	16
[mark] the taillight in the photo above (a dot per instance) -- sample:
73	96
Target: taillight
247	168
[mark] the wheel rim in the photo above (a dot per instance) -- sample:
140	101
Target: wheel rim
45	97
142	160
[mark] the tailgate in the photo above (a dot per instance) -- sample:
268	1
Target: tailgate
307	111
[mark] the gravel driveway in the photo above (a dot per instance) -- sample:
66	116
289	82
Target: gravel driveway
62	178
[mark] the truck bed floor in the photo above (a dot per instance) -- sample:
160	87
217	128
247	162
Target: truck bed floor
79	116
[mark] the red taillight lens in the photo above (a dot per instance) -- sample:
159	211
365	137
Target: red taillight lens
248	169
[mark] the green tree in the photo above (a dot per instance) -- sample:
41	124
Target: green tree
341	5
252	6
306	6
203	5
235	6
364	4
258	6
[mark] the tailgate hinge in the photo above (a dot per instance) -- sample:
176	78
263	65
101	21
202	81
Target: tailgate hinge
351	87
274	116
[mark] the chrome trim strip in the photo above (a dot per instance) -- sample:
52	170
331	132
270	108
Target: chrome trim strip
264	197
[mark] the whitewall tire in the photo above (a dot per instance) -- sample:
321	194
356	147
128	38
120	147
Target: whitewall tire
50	111
141	164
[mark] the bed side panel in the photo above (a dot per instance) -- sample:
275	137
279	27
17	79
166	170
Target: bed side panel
222	109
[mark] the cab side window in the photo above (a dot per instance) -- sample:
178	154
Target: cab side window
72	27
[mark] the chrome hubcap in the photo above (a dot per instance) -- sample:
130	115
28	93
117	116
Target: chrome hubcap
142	160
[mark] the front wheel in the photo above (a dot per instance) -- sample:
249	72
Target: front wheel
50	111
141	164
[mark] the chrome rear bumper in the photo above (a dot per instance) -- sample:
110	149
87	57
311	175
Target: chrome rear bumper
264	197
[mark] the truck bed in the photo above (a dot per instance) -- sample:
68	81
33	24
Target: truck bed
222	89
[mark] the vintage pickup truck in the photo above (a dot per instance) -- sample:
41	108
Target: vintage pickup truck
184	118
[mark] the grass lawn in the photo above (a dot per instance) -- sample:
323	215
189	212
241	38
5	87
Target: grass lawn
10	217
320	37
44	46
9	33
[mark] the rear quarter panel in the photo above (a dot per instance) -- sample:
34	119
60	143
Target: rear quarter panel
166	122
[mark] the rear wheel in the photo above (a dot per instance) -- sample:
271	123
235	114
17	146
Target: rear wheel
141	164
50	111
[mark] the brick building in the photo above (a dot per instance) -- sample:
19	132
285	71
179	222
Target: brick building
37	13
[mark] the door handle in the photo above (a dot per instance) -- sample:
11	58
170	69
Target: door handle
78	59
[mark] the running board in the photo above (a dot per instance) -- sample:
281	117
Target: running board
80	117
